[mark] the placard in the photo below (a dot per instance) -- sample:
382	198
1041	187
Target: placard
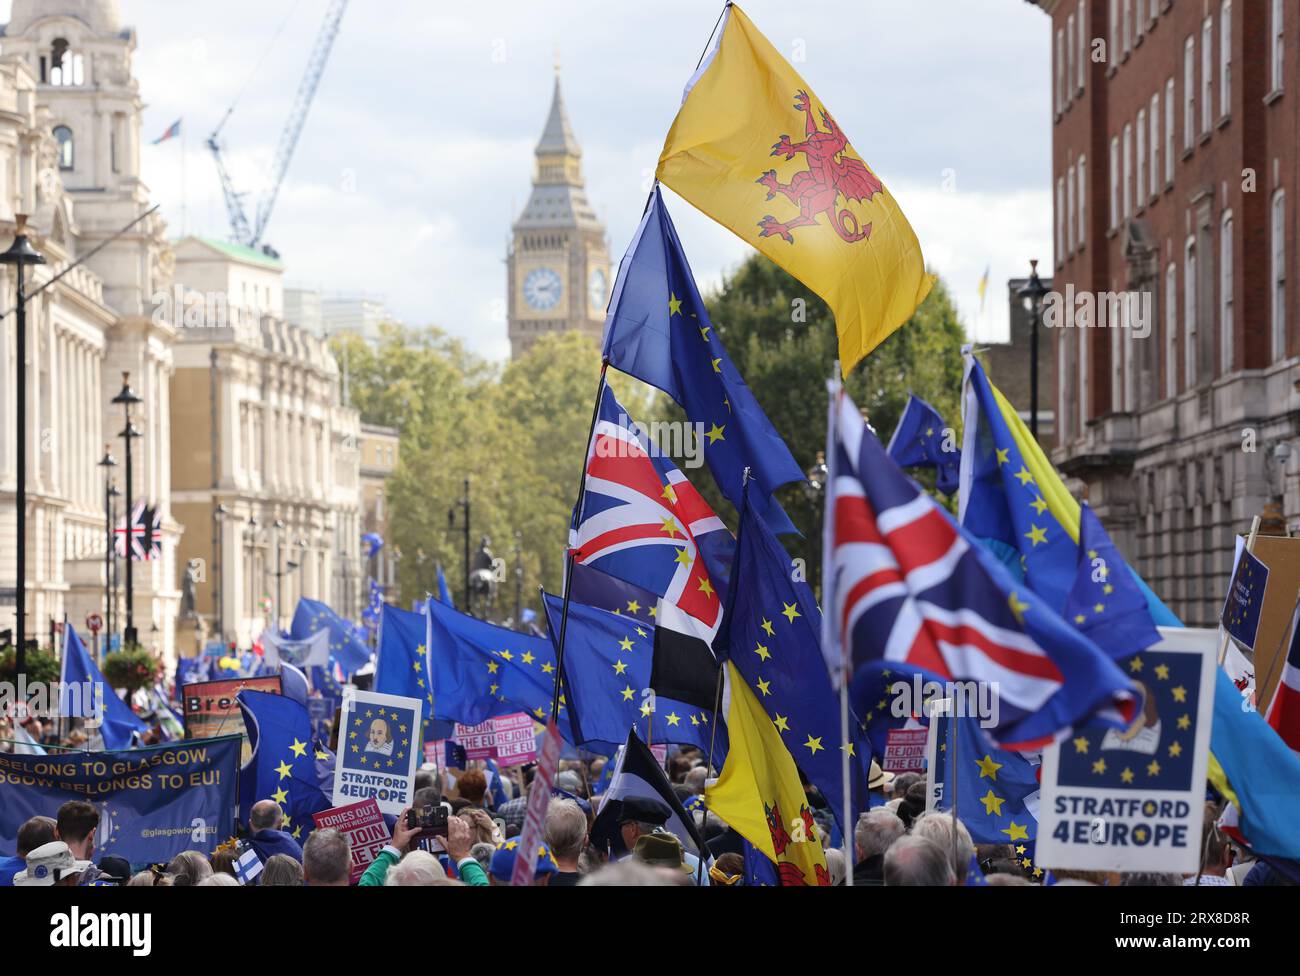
1245	599
508	739
905	750
1134	799
378	749
211	709
363	825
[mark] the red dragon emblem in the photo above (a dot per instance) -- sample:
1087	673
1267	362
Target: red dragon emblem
776	827
831	173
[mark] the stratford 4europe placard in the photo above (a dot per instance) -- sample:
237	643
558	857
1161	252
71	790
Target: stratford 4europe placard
378	750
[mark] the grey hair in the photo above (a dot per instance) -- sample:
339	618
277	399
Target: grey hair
630	873
937	827
695	779
221	880
326	858
876	831
281	871
417	869
915	860
835	864
566	828
189	868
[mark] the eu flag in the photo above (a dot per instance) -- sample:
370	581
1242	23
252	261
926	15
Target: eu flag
923	440
772	632
403	664
1106	603
876	696
84	692
996	790
608	660
444	591
312	615
481	670
1240	616
659	331
288	764
589	586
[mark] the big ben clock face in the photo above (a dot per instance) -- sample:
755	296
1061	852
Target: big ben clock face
542	289
596	290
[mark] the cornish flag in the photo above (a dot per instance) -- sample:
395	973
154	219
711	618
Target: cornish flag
906	584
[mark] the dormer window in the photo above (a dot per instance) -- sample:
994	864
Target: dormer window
63	136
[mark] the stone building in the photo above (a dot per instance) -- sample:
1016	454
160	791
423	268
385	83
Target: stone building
1174	185
1008	364
259	428
69	157
557	269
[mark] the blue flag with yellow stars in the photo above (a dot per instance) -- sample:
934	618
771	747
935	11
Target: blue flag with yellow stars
923	440
1240	616
288	764
444	591
658	330
884	708
481	670
995	789
607	663
772	632
1013	500
403	664
311	615
84	692
1107	605
590	586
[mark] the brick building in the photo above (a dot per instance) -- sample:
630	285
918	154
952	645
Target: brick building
1173	171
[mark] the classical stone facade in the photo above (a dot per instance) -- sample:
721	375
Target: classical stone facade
259	428
69	157
557	270
1174	175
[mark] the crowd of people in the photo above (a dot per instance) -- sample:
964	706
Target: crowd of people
895	842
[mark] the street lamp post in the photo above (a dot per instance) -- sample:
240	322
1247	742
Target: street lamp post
278	525
113	495
108	462
1031	297
815	489
127	398
20	254
451	525
218	545
519	576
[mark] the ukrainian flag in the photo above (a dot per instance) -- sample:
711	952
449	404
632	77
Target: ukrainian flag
758	152
1012	498
759	794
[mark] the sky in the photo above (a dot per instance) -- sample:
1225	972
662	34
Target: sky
417	154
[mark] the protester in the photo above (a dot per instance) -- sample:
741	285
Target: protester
566	833
225	880
917	861
266	838
34	833
1216	854
938	827
472	786
502	868
326	860
876	831
282	871
458	842
188	868
51	864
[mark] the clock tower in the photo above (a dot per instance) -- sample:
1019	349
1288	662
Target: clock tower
558	274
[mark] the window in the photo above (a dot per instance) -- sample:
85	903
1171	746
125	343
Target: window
1171	331
1278	46
1225	293
1117	384
1060	220
1112	52
1141	158
1279	275
1084	390
63	136
1189	92
1207	74
66	68
1082	198
1060	71
1128	26
1071	66
1225	58
1083	47
1071	228
1155	145
1189	310
1169	131
1128	170
1114	183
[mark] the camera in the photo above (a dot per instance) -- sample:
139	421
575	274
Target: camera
431	820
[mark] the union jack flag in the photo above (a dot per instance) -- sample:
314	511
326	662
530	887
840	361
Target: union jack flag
907	584
135	529
642	521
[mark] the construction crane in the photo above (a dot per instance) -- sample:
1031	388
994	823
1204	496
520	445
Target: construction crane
240	229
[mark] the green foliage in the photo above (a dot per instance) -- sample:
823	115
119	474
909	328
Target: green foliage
131	668
40	665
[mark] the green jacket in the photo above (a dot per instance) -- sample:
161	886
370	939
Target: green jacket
471	872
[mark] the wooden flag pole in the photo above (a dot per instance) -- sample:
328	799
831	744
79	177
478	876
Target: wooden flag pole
1250	547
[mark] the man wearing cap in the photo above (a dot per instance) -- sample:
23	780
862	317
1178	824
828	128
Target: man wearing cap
502	866
51	864
641	816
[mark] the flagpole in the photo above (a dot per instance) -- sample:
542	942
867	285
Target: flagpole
568	564
184	201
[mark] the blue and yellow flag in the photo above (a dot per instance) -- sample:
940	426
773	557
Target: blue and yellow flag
1013	500
758	152
759	794
348	649
288	764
